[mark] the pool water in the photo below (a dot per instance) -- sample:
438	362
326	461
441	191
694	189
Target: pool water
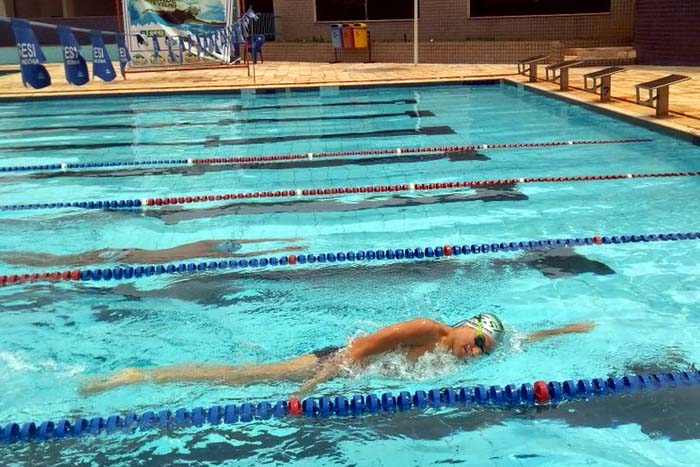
643	297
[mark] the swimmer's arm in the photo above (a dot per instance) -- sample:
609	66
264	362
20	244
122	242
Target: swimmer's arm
221	374
326	373
409	334
577	328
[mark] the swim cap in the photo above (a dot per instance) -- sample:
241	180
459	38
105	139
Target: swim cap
490	324
228	247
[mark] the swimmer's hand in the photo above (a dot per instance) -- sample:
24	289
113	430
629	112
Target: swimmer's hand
123	378
329	371
576	328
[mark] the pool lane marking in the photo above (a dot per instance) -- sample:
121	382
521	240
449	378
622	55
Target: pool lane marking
537	393
222	122
64	166
399	254
216	140
229	108
321	192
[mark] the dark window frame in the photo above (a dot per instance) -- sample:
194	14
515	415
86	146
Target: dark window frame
529	15
365	20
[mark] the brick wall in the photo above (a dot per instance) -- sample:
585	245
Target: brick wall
667	32
448	20
433	52
50	36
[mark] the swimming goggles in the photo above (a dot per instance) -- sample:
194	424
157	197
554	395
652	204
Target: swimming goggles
480	339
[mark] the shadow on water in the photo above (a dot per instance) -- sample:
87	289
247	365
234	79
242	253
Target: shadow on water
174	215
221	288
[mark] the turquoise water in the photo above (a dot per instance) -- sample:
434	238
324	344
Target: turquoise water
643	296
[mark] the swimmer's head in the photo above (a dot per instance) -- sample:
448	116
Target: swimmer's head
477	335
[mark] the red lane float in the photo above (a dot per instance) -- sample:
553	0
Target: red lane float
542	392
403	151
295	407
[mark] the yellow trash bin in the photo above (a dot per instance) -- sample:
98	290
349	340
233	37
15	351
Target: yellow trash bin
360	33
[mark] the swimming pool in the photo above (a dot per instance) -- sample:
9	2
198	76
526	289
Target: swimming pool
641	295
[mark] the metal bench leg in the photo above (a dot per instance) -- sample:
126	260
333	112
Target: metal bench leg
533	72
605	88
662	101
564	79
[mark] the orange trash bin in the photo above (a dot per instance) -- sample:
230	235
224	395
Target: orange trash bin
348	36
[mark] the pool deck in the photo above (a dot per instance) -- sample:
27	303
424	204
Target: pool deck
684	97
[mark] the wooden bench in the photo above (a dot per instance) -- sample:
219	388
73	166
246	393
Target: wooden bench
563	76
660	100
529	66
604	76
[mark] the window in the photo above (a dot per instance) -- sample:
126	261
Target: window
363	10
481	8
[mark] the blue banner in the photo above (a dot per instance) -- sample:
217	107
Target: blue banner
101	63
74	63
124	57
30	56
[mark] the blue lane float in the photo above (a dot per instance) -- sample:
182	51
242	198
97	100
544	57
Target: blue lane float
393	254
91	165
552	393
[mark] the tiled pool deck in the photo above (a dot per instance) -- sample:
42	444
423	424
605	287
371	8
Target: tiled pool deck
684	101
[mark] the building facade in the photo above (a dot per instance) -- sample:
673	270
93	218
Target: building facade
460	20
458	31
57	8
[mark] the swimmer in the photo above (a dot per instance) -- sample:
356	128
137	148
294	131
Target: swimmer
468	339
201	249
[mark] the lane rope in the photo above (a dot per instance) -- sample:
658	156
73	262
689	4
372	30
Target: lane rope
318	192
65	166
539	393
394	254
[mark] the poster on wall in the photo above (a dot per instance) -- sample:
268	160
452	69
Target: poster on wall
171	19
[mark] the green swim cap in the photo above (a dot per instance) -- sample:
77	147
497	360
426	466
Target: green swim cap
488	322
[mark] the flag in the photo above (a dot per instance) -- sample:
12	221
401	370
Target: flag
101	63
216	44
156	49
199	45
244	27
74	63
124	56
251	14
236	34
171	53
181	44
30	56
